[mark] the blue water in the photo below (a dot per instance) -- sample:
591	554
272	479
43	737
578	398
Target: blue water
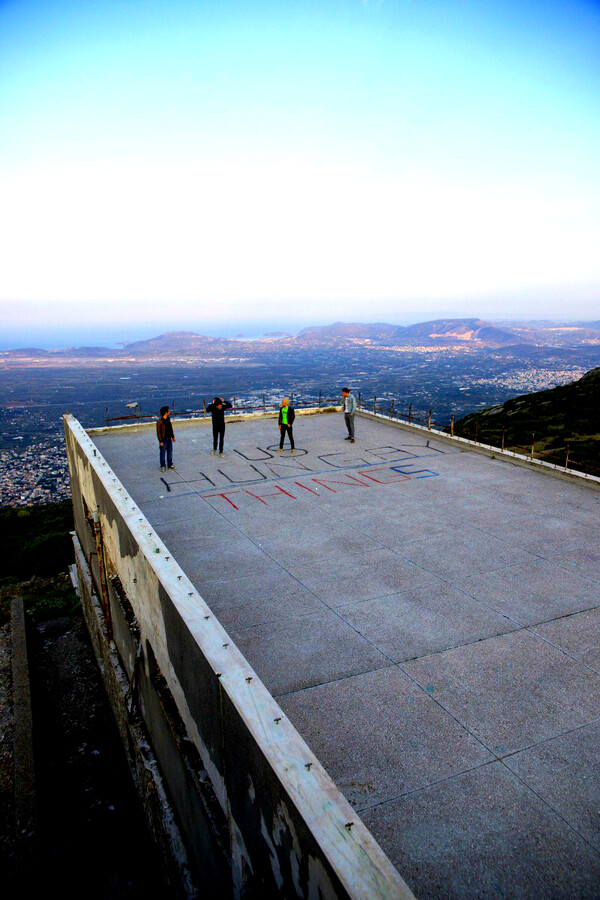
114	336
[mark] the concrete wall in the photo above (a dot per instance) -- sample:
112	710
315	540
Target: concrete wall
247	810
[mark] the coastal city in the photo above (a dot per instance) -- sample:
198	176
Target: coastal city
37	474
524	381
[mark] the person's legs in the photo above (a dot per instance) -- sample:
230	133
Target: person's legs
221	438
162	456
350	423
169	448
291	434
282	436
215	427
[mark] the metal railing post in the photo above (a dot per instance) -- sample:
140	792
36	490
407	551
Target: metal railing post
429	420
359	400
452	425
409	411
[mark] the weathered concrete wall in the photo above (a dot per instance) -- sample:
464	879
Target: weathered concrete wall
257	814
142	760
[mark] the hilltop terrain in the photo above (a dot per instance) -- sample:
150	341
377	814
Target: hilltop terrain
566	417
442	333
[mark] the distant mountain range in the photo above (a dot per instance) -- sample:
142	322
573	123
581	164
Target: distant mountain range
563	417
444	332
473	331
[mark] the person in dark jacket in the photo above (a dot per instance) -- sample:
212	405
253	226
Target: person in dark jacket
285	422
166	437
217	410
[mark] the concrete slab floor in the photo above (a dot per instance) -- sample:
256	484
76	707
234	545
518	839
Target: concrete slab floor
564	771
511	691
484	834
535	591
427	617
578	635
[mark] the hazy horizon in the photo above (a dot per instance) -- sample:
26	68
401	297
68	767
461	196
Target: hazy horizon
114	337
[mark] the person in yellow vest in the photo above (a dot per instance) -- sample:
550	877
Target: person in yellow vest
285	422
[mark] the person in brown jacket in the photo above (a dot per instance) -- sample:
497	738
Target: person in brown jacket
166	437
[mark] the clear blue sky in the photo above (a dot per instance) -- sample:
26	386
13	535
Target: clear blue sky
222	160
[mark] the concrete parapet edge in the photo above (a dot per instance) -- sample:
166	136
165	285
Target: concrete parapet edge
582	478
320	834
132	427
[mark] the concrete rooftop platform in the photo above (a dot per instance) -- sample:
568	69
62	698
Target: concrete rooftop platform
428	618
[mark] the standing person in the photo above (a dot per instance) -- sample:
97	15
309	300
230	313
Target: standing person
217	410
350	407
166	437
285	422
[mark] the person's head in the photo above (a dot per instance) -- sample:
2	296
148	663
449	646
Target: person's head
217	401
285	402
164	411
345	392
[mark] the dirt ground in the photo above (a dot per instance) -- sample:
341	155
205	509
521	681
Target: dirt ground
92	837
7	810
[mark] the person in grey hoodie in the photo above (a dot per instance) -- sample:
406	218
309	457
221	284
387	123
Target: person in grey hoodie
350	407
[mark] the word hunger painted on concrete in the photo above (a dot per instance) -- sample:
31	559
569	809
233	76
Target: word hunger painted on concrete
257	476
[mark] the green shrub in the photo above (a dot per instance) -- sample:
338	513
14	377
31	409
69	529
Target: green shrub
36	539
43	598
38	551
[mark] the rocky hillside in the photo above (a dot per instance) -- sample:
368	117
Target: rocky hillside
554	420
377	331
472	331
